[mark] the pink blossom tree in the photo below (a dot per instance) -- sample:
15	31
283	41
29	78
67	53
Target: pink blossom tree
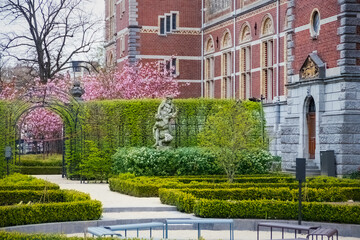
148	80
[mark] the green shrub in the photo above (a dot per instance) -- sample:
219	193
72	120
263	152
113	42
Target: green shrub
39	160
41	236
151	162
272	209
26	196
19	181
149	186
94	164
50	212
255	162
283	194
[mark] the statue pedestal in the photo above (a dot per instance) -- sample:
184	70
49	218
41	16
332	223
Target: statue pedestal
163	147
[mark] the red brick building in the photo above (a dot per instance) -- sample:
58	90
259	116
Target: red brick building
302	57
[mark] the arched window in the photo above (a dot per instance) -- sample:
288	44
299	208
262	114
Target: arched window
209	47
315	24
226	66
226	40
245	63
267	26
245	33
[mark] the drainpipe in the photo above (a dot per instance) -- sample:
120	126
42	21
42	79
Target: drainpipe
277	69
202	48
234	42
277	49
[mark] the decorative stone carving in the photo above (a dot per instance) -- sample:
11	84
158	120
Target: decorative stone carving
312	68
226	42
245	35
216	6
209	46
309	70
165	117
267	27
77	91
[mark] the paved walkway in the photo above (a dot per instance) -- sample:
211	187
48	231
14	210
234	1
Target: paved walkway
123	207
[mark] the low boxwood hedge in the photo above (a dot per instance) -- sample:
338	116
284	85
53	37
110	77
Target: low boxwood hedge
272	209
50	212
40	170
149	186
40	236
334	194
34	196
19	181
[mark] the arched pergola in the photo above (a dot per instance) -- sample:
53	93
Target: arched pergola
62	103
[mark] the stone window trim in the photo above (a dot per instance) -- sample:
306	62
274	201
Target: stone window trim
226	40
122	8
170	63
315	24
168	23
267	26
210	77
244	38
209	45
245	67
122	44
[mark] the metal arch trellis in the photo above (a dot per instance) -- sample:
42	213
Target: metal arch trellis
63	104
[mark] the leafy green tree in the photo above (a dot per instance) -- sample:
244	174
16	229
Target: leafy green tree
94	164
231	130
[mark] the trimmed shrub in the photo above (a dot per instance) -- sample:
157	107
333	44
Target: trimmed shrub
50	212
149	186
41	236
151	162
18	181
38	160
255	162
272	209
26	196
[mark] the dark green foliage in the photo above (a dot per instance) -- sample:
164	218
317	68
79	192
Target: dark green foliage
272	209
41	236
151	162
233	130
39	160
40	203
44	196
94	164
331	194
257	161
40	170
19	181
50	212
149	186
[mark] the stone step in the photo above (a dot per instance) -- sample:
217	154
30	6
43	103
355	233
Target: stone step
138	209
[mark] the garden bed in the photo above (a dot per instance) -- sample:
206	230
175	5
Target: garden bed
262	196
36	202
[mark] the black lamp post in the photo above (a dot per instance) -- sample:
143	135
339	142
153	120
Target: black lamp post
8	155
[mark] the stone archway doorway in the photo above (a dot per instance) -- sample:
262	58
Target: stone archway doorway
311	127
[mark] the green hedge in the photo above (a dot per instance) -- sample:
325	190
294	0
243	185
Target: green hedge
18	181
40	170
152	162
25	196
50	212
149	186
41	236
272	209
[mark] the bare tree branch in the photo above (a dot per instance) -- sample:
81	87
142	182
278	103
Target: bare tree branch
51	33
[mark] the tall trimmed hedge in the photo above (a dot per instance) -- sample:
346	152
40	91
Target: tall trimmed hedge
128	123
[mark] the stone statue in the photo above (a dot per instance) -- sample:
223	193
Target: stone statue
164	116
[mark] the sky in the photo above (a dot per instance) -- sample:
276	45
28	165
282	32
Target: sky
96	7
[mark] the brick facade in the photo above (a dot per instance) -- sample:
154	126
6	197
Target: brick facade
289	53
